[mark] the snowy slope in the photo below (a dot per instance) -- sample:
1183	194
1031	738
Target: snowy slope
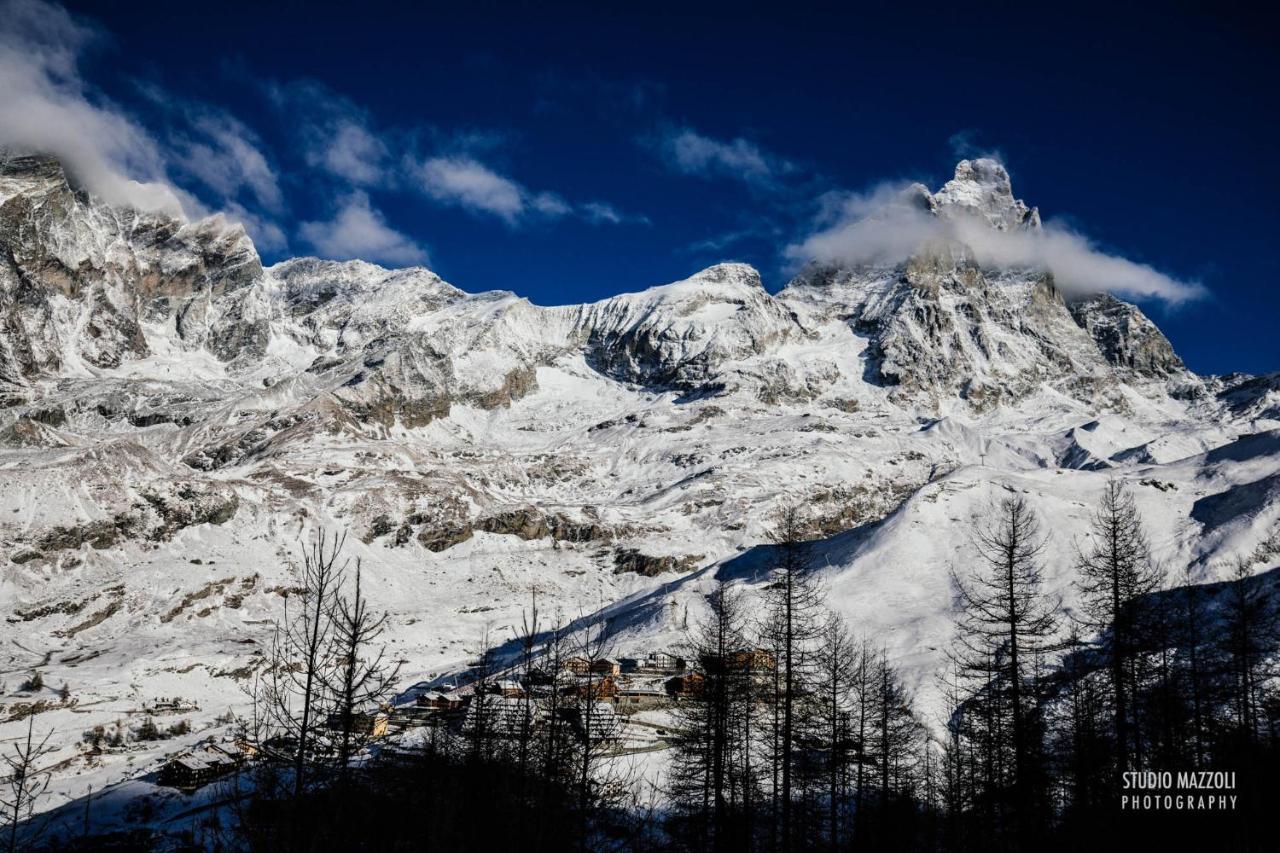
180	420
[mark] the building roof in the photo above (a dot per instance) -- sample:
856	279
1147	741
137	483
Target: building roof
641	687
191	762
506	714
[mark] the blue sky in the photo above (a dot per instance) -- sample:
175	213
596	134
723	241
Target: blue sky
570	152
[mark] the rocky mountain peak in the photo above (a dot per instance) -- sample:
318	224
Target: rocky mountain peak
730	272
982	187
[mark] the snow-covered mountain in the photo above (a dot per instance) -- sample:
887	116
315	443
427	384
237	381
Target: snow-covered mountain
177	420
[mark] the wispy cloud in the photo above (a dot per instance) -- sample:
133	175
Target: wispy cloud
472	186
889	224
461	180
358	230
337	136
692	153
46	106
965	145
599	212
351	151
226	156
722	241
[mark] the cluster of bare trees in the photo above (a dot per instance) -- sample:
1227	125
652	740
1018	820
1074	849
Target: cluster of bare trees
808	740
1043	725
318	692
532	745
800	737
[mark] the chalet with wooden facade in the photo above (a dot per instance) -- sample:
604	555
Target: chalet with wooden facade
202	765
684	686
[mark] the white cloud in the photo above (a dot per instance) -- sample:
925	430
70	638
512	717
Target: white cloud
599	212
964	145
351	152
358	230
46	107
224	155
694	154
471	185
550	204
462	181
889	224
337	136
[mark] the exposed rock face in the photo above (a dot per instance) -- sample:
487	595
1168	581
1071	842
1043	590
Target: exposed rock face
440	539
1254	397
527	523
78	279
157	517
942	327
1126	337
647	565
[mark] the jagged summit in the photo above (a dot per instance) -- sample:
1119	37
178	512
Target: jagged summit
982	187
729	272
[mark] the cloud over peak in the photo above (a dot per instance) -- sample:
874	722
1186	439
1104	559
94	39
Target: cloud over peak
45	106
890	223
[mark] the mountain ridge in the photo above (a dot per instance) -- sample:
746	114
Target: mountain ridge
205	279
178	420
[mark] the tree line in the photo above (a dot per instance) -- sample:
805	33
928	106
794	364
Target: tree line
797	733
1048	710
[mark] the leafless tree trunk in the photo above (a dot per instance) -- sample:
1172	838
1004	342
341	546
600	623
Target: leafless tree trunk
1115	571
24	783
837	669
1006	616
303	659
528	638
363	677
792	626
